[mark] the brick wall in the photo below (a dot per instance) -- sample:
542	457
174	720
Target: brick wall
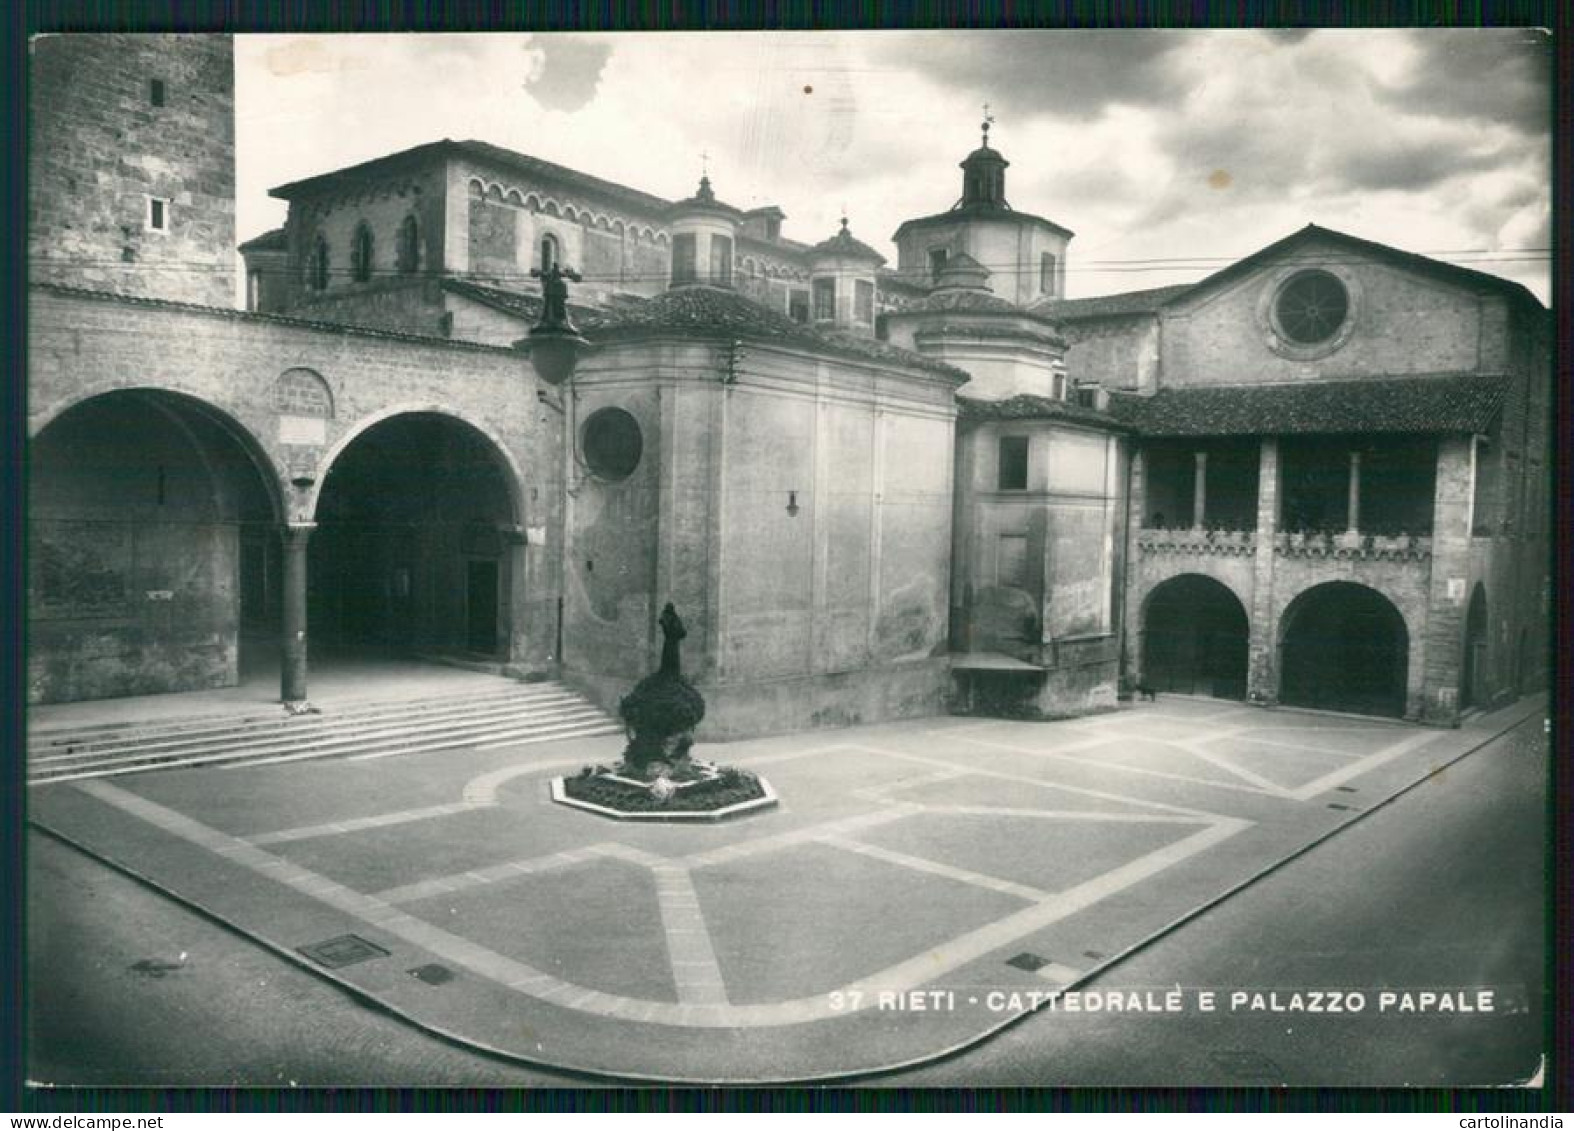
100	149
82	346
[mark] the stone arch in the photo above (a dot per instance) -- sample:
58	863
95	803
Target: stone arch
1194	637
533	201
418	542
570	213
514	477
551	207
247	440
1344	646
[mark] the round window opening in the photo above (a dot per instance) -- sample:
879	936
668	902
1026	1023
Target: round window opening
612	443
1311	308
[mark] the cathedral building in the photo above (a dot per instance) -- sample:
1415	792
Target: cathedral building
1317	477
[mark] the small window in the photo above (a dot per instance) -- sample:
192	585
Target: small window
361	254
253	289
721	260
1059	387
1013	464
824	300
683	258
409	246
798	305
317	266
156	92
158	214
937	258
612	444
863	300
549	253
1046	274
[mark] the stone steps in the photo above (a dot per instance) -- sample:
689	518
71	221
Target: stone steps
515	714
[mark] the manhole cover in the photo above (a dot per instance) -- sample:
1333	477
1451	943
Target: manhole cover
432	974
1026	961
346	950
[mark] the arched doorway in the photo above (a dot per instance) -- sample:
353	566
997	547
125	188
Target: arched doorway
154	554
1473	664
413	551
1194	637
1344	648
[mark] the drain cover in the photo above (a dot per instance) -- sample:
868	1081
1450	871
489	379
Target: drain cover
1093	954
1026	961
1335	805
432	974
346	950
1345	788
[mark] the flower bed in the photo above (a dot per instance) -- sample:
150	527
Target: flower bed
703	793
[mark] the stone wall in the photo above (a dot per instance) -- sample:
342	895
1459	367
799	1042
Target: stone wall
798	519
229	367
1401	323
101	149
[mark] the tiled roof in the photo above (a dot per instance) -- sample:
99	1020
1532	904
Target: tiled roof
269	241
972	300
708	311
1450	403
1110	306
1437	268
843	243
481	151
1025	406
275	319
979	212
520	303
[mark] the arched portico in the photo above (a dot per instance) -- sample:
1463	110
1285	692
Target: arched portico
1345	647
1194	638
416	544
153	562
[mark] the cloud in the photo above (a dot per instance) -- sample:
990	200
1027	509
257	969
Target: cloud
1028	74
565	70
1494	75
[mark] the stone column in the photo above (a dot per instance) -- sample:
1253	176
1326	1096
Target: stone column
1199	491
1353	505
292	669
1262	665
1441	658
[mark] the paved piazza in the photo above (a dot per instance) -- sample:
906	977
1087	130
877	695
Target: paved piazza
921	884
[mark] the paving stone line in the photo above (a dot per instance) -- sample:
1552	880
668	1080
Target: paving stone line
1121	767
356	824
681	933
934	868
1021	780
695	970
1338	777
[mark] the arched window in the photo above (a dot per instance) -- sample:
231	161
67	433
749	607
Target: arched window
549	253
317	266
361	254
409	246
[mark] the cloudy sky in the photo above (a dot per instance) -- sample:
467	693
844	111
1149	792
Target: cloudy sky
1168	153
